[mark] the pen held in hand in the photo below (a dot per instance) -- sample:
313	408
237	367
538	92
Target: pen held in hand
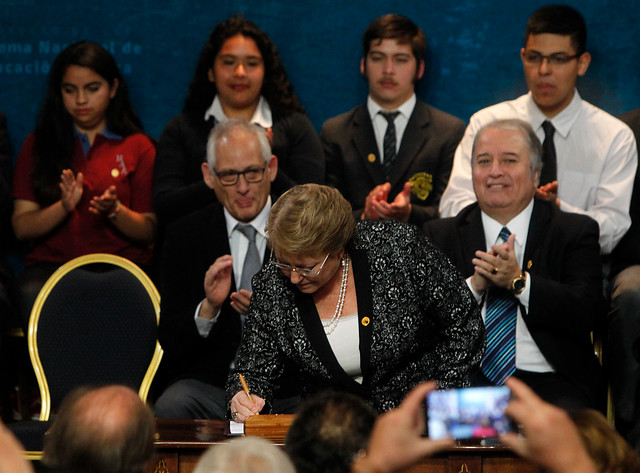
245	387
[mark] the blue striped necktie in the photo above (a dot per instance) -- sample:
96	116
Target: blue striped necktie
499	360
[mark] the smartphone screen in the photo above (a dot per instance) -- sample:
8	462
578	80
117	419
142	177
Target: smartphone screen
468	412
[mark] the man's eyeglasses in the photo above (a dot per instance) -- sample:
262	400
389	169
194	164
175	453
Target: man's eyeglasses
304	272
230	178
556	59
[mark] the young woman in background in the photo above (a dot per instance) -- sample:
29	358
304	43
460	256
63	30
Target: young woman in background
82	181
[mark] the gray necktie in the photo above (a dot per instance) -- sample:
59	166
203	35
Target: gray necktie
252	261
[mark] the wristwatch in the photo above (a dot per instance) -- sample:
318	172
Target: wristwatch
518	283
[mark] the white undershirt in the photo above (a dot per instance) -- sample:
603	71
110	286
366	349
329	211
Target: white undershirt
347	353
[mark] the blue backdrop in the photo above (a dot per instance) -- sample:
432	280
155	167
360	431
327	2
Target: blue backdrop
472	60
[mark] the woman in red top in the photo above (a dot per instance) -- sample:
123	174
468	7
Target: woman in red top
83	179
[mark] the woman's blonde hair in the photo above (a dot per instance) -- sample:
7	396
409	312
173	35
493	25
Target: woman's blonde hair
310	219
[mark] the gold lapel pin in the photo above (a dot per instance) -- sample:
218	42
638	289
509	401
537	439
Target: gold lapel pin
365	321
371	158
529	264
115	173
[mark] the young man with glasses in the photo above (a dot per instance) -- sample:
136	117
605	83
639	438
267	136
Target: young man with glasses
208	261
590	157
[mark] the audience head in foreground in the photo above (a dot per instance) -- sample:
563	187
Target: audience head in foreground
609	451
245	455
329	431
101	430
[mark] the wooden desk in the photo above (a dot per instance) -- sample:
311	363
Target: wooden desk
179	444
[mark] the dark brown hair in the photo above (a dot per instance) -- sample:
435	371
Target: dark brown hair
396	27
276	88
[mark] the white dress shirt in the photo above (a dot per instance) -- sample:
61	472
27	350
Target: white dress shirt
528	355
596	155
262	115
380	123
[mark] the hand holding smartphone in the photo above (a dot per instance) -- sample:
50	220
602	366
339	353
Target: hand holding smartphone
468	412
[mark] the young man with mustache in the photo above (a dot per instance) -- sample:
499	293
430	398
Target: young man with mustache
391	156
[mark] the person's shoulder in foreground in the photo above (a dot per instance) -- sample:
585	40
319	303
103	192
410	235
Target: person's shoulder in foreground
12	458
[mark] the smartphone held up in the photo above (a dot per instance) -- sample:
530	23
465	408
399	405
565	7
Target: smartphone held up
468	412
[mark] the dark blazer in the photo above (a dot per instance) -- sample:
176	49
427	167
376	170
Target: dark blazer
178	185
428	145
191	245
418	321
562	257
627	251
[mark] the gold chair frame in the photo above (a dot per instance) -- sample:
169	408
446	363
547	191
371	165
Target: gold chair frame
123	263
596	338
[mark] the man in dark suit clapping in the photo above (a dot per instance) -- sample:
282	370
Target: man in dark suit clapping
206	272
535	270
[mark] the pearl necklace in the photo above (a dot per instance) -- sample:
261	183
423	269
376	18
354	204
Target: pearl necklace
331	324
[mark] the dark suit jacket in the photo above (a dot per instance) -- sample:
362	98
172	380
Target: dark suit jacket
562	257
627	251
421	323
192	244
428	145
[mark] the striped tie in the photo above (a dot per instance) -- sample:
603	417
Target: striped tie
500	320
389	142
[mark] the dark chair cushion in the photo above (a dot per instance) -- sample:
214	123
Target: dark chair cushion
30	433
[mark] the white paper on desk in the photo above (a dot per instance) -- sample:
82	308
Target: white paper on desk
236	428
